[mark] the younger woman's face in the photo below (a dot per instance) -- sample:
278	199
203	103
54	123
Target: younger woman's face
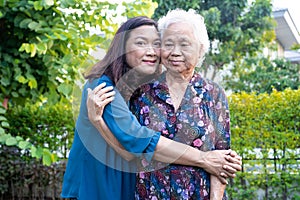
143	49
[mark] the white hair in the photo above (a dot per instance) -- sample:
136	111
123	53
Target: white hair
191	17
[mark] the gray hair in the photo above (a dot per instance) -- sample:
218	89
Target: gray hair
191	17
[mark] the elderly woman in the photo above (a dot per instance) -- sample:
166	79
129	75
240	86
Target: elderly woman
186	109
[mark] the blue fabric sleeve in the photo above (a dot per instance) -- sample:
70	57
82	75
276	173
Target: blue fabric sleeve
126	128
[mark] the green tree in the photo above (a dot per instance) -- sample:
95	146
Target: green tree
237	30
44	43
266	75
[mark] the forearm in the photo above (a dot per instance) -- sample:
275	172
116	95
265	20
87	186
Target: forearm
170	151
216	188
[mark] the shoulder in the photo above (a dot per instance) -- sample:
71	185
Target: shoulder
97	81
105	79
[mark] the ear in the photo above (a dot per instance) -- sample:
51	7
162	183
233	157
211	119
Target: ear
201	51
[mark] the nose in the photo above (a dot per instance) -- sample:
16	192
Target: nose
150	51
176	51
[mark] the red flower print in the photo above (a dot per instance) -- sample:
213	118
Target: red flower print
173	119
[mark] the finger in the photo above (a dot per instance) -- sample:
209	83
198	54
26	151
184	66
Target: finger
224	174
107	101
110	94
233	154
236	167
235	160
229	172
99	87
229	175
229	169
222	179
103	91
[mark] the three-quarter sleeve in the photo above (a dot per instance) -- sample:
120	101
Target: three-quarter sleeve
134	137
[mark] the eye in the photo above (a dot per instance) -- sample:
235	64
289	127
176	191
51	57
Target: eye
168	45
156	44
141	43
185	44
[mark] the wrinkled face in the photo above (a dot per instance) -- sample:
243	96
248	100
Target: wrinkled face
143	49
180	51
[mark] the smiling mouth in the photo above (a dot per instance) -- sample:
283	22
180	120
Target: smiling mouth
150	61
176	62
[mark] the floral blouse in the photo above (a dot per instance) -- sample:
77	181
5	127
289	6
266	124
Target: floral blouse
201	121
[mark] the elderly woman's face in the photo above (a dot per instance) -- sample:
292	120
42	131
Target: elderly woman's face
143	49
180	49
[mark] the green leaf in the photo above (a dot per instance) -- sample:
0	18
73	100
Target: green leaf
2	118
38	5
24	144
65	89
11	141
34	25
21	79
5	124
33	151
2	110
32	50
49	2
3	136
36	152
18	138
24	23
2	131
41	48
47	157
14	94
32	83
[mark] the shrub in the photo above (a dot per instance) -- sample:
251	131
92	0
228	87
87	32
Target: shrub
47	128
266	132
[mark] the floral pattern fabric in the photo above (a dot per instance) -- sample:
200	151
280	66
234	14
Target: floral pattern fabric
201	121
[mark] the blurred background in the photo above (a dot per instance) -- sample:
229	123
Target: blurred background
46	46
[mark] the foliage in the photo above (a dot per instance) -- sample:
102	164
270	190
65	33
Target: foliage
3	120
266	132
48	134
237	30
44	48
45	43
40	131
264	75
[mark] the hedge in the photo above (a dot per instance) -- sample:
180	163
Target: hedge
265	132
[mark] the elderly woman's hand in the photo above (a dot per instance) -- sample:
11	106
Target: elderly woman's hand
222	163
97	99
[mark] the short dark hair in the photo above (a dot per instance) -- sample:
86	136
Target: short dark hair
114	63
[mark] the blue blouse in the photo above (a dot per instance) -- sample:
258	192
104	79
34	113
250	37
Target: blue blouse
94	169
